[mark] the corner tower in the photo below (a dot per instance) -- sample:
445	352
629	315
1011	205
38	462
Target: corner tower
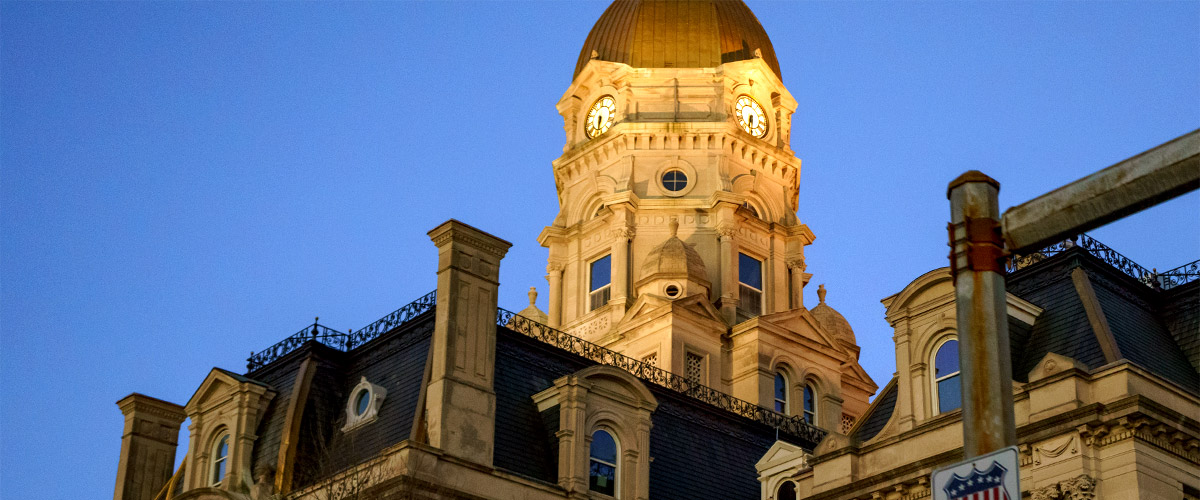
678	191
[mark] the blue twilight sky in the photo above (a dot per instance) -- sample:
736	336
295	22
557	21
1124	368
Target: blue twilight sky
183	183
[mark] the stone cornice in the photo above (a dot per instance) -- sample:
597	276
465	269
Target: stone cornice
453	230
146	405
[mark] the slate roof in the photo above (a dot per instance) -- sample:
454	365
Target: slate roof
699	450
1155	329
878	414
1133	310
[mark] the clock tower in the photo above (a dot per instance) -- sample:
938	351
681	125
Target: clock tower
677	240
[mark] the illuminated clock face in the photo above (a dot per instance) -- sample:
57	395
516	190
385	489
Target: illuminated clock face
600	117
750	116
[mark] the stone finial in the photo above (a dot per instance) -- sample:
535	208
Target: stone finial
532	295
821	293
758	53
595	54
674	227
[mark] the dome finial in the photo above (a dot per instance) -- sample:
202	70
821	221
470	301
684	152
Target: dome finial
674	227
532	295
821	293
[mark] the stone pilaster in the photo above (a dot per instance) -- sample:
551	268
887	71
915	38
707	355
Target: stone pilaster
147	446
460	400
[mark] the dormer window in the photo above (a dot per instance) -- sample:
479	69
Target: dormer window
220	456
363	406
946	386
600	276
602	475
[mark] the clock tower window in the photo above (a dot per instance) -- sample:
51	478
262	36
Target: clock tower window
750	283
600	277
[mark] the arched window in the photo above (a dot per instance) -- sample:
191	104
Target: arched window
603	467
781	396
810	404
946	386
787	491
753	211
220	456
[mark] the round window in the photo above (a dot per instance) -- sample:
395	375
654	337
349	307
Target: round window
672	291
361	401
674	180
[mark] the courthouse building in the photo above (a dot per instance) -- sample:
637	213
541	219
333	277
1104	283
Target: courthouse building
677	358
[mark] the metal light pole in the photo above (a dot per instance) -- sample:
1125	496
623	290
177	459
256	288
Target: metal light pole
976	264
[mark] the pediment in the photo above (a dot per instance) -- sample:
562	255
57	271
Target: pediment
799	322
650	306
218	386
781	453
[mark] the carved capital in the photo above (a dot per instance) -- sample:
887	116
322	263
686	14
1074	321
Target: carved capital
555	266
1082	487
727	229
796	263
1045	493
626	232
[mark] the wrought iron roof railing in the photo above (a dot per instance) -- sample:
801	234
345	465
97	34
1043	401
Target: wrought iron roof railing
1150	277
338	340
793	425
317	332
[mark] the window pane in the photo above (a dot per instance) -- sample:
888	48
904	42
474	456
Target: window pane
780	387
787	491
949	394
946	361
603	472
674	180
360	406
601	272
749	271
604	447
603	478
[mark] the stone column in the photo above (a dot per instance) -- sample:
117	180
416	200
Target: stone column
796	268
460	400
620	266
729	273
147	446
554	273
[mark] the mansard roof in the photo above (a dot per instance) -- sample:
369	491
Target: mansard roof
703	442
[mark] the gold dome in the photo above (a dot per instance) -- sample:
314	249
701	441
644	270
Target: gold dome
677	34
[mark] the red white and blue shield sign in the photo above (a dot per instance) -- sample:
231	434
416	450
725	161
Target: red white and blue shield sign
978	485
989	477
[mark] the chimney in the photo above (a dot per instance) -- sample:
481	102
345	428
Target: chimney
460	400
147	446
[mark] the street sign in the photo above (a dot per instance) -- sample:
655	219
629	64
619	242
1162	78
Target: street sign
994	476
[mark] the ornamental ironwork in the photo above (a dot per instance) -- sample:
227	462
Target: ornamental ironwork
396	318
338	340
1159	281
317	332
793	425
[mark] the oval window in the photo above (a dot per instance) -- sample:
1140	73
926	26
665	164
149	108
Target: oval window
672	291
674	180
362	401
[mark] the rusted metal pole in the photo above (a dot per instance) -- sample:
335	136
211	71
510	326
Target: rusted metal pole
1145	180
976	263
